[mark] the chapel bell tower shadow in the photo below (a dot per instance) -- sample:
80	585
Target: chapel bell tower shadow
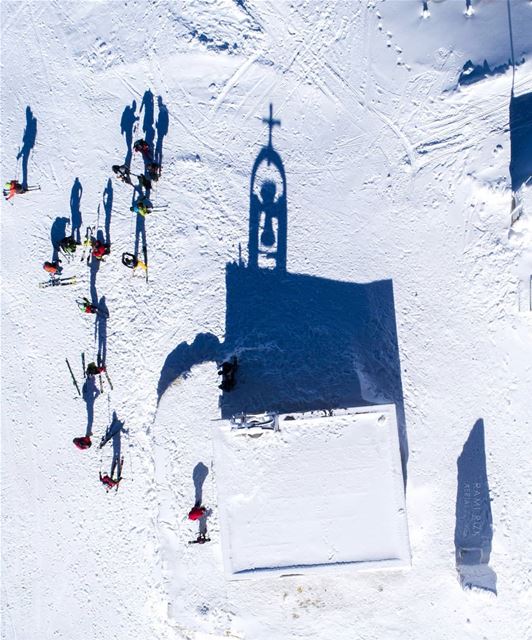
303	343
267	209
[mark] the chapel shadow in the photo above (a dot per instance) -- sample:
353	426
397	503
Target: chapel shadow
28	142
474	525
75	210
521	140
303	342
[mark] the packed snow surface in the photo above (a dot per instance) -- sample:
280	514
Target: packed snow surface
400	147
341	507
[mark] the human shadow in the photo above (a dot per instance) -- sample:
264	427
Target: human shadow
75	211
108	208
162	129
303	342
114	433
94	266
90	392
199	475
57	233
473	530
28	142
147	106
520	139
100	332
127	123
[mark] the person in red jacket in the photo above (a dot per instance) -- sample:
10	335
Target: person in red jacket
83	442
86	306
196	513
53	268
12	188
100	249
108	482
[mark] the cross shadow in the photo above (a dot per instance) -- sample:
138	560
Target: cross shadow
28	142
199	475
303	342
162	129
75	212
147	124
57	233
100	332
108	208
473	531
90	392
521	139
126	128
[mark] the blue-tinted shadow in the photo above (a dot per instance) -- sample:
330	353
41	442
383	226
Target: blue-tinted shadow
28	142
162	129
303	342
147	106
127	123
58	233
473	531
521	139
75	211
100	332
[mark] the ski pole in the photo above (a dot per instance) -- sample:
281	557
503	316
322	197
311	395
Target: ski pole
73	377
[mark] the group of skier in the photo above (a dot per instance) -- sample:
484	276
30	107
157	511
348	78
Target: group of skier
98	249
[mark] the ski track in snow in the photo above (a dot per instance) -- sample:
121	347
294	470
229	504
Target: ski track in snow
392	172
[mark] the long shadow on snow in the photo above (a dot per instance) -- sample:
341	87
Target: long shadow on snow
75	211
473	531
57	233
28	142
127	123
100	332
521	139
162	129
303	342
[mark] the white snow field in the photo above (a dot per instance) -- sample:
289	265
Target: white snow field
400	280
343	509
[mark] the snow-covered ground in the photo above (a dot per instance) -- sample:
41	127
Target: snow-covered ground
395	173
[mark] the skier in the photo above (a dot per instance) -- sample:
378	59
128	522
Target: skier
227	371
83	442
54	268
86	306
142	206
94	370
109	482
122	172
13	187
201	539
197	512
68	245
143	147
100	249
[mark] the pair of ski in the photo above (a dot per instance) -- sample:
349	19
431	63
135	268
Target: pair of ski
75	382
56	281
